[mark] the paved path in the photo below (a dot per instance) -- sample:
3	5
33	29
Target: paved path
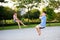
49	33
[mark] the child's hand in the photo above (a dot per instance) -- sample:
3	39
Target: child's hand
40	17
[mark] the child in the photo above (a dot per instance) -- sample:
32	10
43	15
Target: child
17	20
42	24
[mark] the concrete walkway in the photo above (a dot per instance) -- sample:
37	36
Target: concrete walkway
49	33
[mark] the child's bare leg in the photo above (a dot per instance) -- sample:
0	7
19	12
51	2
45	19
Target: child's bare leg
19	25
21	22
38	31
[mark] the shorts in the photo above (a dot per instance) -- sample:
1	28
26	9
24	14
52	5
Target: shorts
40	27
14	20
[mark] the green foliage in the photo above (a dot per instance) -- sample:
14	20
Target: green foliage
54	4
28	1
50	14
6	13
29	26
13	0
19	15
1	0
33	14
58	16
1	12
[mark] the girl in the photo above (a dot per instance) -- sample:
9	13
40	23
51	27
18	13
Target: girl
17	20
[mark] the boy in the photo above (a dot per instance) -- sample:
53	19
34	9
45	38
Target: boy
17	20
42	24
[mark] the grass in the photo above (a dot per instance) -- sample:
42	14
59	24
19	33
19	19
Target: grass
28	26
53	24
16	27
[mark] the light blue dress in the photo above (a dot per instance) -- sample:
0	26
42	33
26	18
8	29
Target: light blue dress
43	21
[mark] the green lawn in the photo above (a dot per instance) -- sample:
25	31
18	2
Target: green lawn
53	24
28	26
16	27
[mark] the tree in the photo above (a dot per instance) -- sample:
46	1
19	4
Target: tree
50	14
58	16
54	3
1	12
1	0
6	13
26	3
33	14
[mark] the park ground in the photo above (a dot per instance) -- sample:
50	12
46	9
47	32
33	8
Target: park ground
49	33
